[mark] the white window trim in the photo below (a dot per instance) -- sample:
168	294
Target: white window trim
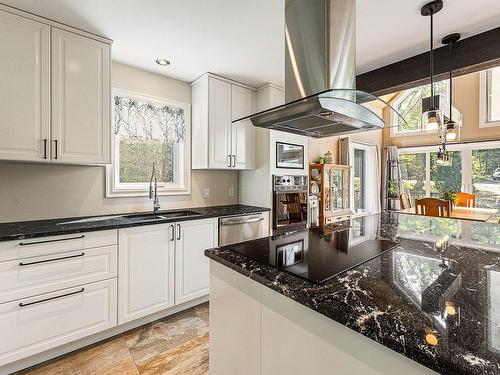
114	190
483	103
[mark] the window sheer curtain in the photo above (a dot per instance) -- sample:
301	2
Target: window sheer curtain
372	169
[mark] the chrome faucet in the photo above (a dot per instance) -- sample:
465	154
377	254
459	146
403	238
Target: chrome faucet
154	193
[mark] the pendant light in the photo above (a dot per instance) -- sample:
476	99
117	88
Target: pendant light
450	128
433	115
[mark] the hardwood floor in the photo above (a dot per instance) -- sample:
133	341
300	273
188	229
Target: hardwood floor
177	344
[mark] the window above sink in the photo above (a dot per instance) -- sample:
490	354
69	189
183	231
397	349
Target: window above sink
149	129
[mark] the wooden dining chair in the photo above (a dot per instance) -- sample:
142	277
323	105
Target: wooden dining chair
465	200
432	207
405	201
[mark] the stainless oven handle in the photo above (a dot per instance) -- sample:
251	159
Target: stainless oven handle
245	221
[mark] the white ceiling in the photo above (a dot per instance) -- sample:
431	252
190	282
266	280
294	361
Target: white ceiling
243	39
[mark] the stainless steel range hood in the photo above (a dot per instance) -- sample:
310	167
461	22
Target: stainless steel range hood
321	99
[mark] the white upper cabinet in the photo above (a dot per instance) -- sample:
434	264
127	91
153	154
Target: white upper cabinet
243	133
217	142
24	88
55	93
219	120
80	99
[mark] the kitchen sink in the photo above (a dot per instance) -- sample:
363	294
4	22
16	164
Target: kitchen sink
160	216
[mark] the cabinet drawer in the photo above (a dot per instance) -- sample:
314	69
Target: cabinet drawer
36	275
32	325
32	247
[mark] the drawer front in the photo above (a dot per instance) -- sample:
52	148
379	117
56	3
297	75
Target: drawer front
30	326
36	275
32	247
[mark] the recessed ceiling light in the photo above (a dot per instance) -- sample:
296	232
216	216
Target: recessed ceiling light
162	62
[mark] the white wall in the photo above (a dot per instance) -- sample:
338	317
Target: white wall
36	191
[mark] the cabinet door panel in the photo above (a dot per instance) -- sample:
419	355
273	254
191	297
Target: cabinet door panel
52	319
80	99
145	271
219	110
243	132
191	264
24	88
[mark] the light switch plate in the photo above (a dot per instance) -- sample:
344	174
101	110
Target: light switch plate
206	192
231	191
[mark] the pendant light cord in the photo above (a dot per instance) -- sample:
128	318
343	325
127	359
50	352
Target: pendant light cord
431	53
451	79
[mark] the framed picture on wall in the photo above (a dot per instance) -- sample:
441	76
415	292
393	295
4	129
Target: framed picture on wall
289	156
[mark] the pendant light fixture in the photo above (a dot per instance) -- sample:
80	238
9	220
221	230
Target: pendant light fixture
450	128
433	115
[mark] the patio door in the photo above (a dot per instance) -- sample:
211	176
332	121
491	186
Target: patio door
483	174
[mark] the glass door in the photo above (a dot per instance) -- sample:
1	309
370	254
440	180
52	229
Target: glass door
485	175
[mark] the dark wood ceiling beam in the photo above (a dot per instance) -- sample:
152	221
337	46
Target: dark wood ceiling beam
470	55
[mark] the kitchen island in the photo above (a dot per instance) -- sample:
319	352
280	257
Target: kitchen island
429	305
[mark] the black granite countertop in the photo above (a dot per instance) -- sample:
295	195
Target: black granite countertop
50	227
435	298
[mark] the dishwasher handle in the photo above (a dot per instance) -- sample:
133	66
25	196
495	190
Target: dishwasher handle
248	220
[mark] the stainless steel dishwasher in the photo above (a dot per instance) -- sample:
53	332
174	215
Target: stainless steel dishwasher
236	229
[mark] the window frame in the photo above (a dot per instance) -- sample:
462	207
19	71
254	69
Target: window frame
483	101
182	168
466	150
394	132
366	148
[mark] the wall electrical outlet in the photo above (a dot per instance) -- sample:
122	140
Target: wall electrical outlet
206	192
231	191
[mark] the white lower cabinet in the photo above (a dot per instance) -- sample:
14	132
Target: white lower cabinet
32	276
39	323
191	265
145	271
154	258
58	289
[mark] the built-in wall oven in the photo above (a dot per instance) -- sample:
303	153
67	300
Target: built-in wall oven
289	202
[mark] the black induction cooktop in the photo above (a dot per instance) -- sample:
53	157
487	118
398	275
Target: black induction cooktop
315	255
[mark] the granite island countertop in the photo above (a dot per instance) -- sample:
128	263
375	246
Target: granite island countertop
51	227
438	305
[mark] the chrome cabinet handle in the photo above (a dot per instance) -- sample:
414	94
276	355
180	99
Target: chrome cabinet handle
45	149
51	298
172	233
229	161
234	160
47	241
21	264
178	231
55	152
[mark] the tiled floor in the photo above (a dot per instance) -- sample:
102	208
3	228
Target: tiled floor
177	344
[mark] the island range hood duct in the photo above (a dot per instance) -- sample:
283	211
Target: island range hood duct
321	99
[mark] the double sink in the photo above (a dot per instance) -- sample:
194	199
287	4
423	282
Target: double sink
160	216
137	218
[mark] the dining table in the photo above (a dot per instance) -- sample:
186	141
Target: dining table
466	213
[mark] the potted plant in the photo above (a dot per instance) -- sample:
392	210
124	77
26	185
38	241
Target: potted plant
392	189
450	196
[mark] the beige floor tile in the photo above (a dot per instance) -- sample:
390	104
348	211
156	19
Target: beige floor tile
110	357
191	358
177	344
